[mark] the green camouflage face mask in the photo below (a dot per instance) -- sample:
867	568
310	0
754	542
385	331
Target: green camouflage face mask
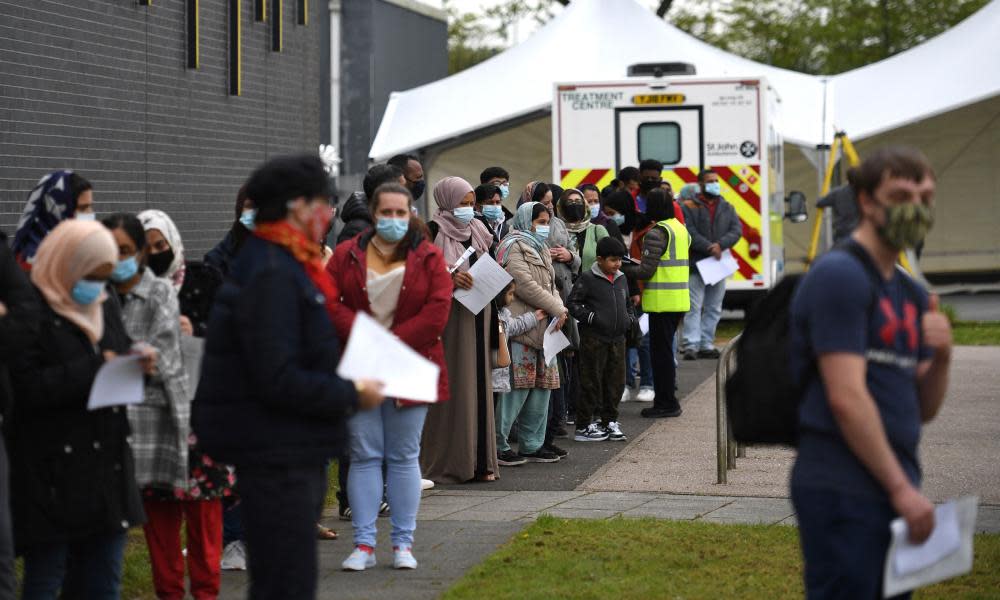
906	225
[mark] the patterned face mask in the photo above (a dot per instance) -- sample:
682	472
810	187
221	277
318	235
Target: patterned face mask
906	225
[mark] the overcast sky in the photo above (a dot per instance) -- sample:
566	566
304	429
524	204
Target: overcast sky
527	26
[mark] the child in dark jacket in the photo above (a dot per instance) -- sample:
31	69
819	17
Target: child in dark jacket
600	302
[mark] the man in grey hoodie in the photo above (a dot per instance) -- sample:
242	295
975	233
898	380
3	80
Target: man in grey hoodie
714	227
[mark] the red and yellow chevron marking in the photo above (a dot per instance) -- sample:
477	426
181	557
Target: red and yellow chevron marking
740	187
571	178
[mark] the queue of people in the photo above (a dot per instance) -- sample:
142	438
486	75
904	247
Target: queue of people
242	410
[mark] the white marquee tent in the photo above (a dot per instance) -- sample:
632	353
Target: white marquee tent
944	92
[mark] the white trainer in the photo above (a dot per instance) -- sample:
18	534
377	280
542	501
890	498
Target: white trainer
426	484
646	395
359	560
402	558
628	395
234	557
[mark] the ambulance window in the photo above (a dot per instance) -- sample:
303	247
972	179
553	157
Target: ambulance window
660	141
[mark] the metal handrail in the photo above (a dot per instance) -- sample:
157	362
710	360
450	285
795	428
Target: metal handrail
726	448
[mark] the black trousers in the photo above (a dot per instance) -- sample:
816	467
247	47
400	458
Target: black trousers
281	506
602	380
662	328
7	583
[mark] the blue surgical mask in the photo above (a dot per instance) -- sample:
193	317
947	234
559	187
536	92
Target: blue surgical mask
504	190
392	230
595	209
714	188
493	212
542	232
125	270
617	219
248	218
85	292
89	216
464	214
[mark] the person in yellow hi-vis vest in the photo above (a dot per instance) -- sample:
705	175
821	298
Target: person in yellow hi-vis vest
663	273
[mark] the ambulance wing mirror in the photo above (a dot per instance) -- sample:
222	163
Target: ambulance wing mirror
795	209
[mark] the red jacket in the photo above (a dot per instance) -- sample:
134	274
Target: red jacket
424	300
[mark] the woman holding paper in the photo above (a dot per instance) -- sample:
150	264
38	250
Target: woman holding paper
459	437
524	254
396	276
73	485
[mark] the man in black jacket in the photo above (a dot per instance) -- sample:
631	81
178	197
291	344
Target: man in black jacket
714	227
269	401
600	302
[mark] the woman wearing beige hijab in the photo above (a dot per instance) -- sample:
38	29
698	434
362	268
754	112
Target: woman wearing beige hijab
459	441
73	486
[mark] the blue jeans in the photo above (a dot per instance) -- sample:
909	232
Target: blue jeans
844	542
640	363
706	310
391	435
90	568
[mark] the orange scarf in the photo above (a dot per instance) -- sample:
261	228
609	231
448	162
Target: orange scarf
308	253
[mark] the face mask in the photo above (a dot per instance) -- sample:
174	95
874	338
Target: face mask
464	214
574	213
713	189
124	270
247	218
159	263
319	222
617	219
595	209
906	225
392	230
504	191
418	189
648	185
86	216
85	292
493	212
542	232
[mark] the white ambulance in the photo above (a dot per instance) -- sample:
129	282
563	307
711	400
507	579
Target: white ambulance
688	123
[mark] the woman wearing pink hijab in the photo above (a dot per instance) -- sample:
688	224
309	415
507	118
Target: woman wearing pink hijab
73	487
459	440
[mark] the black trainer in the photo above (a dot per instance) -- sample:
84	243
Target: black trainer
556	450
659	413
509	458
540	456
710	353
560	432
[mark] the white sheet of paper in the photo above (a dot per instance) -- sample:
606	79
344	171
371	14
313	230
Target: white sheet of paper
119	382
554	342
488	280
373	352
713	270
946	553
644	323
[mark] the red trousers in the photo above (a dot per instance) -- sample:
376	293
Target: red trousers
204	546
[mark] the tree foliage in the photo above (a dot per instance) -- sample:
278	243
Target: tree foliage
820	36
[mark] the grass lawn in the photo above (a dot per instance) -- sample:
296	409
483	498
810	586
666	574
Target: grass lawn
977	333
646	558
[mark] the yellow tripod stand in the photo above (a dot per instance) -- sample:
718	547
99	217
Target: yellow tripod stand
841	143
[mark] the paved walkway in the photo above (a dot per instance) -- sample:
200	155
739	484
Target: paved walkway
668	472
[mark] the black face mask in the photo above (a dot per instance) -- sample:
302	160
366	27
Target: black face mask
159	263
573	213
648	185
418	189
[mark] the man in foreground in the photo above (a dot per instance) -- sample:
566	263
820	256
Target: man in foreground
882	354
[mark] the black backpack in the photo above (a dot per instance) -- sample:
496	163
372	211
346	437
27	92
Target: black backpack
762	396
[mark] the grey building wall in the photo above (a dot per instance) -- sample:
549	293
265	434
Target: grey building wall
385	47
101	86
